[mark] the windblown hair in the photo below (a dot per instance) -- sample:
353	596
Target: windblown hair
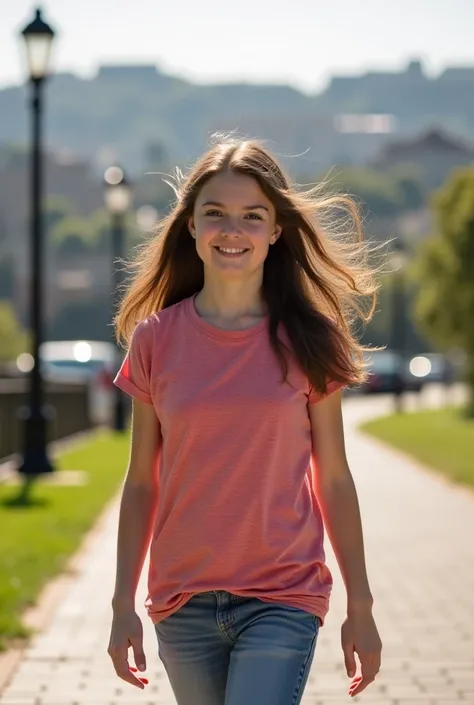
316	282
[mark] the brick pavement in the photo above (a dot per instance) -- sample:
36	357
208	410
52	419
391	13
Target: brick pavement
419	541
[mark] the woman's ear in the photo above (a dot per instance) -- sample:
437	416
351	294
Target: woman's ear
191	227
276	234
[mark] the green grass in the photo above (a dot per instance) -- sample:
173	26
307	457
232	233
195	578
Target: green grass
442	439
36	539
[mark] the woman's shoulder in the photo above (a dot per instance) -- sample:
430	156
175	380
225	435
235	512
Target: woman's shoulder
159	323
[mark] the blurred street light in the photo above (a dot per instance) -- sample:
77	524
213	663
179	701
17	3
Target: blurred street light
147	218
118	198
118	192
38	37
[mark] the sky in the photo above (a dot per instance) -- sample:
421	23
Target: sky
301	42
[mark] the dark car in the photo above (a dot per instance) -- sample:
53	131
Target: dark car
390	372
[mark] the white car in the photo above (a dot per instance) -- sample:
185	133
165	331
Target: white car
91	361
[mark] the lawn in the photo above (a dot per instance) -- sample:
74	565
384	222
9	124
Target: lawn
36	540
442	439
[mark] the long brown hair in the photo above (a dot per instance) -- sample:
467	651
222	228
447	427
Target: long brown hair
316	279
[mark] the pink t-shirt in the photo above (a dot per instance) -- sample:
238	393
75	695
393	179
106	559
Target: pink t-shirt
236	506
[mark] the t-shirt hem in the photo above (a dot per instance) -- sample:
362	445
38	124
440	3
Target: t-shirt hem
131	389
332	387
319	606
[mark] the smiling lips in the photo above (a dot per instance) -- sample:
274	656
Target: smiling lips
231	251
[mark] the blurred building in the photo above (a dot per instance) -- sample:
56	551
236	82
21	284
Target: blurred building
308	143
435	154
64	177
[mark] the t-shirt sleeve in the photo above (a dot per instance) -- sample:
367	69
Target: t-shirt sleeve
333	386
134	375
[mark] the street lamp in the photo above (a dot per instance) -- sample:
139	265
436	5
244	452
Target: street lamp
118	197
38	37
398	260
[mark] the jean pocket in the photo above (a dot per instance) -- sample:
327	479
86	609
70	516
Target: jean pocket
307	618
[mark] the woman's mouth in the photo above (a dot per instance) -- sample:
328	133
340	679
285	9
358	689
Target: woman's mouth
231	251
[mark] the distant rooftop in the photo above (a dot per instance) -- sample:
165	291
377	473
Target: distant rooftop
117	71
432	140
413	70
457	73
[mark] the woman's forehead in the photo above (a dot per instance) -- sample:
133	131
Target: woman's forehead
231	187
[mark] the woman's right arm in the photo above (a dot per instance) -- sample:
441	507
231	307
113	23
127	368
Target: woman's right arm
137	514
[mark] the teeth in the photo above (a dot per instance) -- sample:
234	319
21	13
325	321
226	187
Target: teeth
231	250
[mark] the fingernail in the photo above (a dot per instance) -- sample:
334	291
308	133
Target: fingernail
144	680
141	667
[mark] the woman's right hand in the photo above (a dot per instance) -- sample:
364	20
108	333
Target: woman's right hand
127	632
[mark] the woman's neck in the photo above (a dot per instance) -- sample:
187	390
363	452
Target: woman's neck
230	301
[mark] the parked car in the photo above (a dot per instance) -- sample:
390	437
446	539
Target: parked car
433	367
390	372
89	361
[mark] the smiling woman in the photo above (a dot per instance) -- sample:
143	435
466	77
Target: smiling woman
239	322
224	224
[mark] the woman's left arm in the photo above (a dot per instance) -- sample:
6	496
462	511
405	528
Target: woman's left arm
337	498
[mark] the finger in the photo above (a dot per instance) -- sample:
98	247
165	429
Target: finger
123	671
140	678
138	654
366	678
362	685
349	659
354	683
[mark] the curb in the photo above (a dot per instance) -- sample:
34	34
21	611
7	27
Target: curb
8	464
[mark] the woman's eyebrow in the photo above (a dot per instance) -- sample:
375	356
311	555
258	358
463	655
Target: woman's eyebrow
247	208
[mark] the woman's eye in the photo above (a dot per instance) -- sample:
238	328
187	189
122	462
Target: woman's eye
213	213
254	216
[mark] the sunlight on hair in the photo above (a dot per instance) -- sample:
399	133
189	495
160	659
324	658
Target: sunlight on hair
319	279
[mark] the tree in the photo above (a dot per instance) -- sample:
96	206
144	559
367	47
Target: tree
13	339
384	193
72	235
377	192
445	272
56	208
410	186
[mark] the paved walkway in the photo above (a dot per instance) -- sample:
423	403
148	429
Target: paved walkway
420	552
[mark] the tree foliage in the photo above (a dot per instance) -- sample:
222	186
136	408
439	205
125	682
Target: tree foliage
384	193
13	339
445	270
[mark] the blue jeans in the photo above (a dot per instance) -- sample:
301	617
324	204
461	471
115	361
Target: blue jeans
220	649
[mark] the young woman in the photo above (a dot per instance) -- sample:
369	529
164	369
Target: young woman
240	343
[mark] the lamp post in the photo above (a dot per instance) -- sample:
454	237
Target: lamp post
118	197
38	37
398	259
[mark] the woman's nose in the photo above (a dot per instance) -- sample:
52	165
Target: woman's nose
232	228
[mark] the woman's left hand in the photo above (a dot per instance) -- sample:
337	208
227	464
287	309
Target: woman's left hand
359	635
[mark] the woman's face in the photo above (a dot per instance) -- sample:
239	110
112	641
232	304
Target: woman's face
233	223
